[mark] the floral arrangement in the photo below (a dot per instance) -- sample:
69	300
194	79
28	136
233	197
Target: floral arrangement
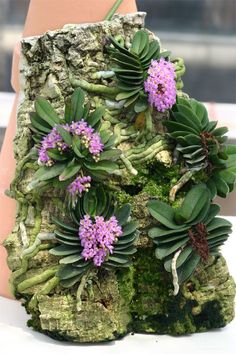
130	134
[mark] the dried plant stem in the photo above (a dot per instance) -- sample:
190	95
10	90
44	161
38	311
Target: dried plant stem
181	182
174	272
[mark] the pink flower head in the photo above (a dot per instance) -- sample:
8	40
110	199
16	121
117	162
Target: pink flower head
79	185
160	84
89	139
97	239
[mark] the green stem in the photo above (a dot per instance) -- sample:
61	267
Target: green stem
113	10
45	290
95	88
24	264
37	279
128	165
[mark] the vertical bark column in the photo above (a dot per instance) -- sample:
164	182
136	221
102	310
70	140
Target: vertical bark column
43	15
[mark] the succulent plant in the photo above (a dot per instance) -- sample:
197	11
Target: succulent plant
102	237
76	145
189	234
132	66
201	145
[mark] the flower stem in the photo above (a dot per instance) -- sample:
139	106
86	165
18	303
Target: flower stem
113	10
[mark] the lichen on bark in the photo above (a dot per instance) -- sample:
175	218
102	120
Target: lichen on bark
113	302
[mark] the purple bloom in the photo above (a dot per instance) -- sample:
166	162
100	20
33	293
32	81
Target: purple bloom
51	141
95	144
79	185
97	239
160	84
90	139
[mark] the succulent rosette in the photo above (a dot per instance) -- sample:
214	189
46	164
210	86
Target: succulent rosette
102	236
76	149
202	146
144	73
189	234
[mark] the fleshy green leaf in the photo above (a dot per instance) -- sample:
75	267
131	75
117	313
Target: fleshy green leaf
46	112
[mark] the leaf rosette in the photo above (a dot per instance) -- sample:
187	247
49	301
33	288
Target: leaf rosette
94	205
76	145
193	232
131	67
202	146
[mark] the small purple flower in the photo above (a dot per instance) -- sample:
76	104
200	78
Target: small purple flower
160	84
89	139
95	145
79	185
97	239
51	141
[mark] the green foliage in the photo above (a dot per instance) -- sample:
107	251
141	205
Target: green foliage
132	65
202	145
76	159
193	228
96	202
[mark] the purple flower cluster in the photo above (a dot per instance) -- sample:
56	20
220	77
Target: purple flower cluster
51	141
79	185
90	139
97	239
160	84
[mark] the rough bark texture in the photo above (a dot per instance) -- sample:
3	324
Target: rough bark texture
113	303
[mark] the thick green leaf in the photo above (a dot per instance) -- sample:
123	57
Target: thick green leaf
67	283
159	232
63	225
129	228
45	173
118	259
76	146
112	154
56	155
107	166
126	252
39	123
71	259
139	42
46	112
163	213
188	267
123	214
77	104
217	223
64	134
163	251
71	170
63	250
193	203
96	116
141	105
